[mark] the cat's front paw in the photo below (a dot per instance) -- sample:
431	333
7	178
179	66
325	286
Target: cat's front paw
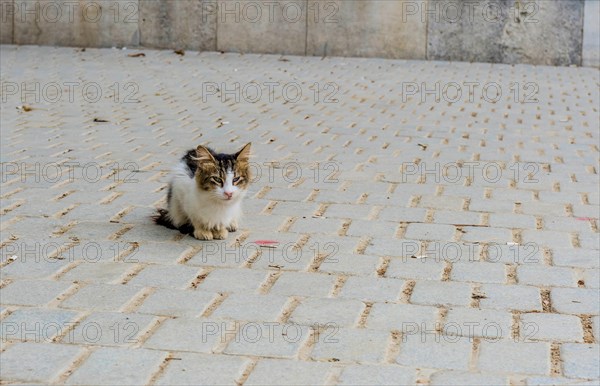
233	226
220	234
202	234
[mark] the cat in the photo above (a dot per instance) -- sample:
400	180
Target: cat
205	193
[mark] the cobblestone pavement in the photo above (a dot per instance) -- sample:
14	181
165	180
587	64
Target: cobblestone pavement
428	230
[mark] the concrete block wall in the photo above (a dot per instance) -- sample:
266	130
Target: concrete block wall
557	32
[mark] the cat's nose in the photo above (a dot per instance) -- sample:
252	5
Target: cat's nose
228	194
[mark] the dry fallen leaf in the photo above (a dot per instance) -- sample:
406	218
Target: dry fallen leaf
137	55
179	52
25	108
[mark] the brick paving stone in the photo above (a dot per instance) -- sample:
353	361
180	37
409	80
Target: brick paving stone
401	317
589	241
282	340
484	234
282	194
528	253
148	231
510	297
580	360
430	231
172	302
566	224
592	278
551	381
102	297
435	351
288	372
36	324
350	345
350	264
575	300
212	369
339	312
456	217
380	375
492	206
518	195
160	253
303	284
107	273
543	208
558	197
27	269
446	202
37	362
546	276
462	378
103	251
398	198
119	366
464	191
475	322
550	239
290	208
480	272
453	251
251	307
372	289
170	276
233	280
343	211
441	293
511	357
401	214
569	257
320	225
286	259
183	334
361	228
410	268
551	327
587	210
109	329
336	197
32	293
380	246
512	220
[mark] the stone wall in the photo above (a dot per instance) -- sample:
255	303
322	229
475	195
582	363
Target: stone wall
546	32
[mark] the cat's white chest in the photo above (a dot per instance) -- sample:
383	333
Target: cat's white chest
210	213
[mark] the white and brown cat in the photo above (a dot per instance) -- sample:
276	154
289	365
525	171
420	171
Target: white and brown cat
205	193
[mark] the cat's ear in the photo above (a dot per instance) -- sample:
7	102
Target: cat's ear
244	154
203	155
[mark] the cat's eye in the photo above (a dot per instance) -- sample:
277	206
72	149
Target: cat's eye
217	180
236	180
